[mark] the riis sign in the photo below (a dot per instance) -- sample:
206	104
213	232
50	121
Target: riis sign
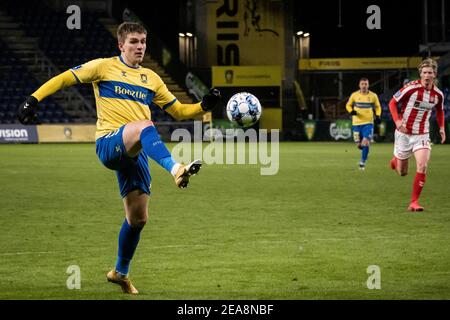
245	32
15	133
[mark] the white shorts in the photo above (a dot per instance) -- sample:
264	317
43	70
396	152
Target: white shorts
406	144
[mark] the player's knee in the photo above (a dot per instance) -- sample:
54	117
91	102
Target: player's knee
146	123
403	171
422	167
141	125
133	130
141	223
138	222
138	216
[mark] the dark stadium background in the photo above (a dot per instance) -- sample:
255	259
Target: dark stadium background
308	232
402	22
402	32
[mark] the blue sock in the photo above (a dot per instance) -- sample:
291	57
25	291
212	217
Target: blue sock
155	148
128	241
365	153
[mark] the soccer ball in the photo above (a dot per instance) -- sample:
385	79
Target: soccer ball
244	109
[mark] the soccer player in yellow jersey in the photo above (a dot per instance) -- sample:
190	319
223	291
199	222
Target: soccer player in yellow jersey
361	105
125	135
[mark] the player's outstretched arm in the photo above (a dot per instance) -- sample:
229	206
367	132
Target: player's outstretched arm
182	111
188	111
27	110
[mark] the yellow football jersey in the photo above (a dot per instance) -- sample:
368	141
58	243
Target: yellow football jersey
122	93
363	104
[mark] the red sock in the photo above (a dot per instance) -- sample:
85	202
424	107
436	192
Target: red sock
419	182
394	163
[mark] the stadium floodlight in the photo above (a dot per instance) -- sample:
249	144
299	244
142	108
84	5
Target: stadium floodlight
299	33
306	35
181	34
189	34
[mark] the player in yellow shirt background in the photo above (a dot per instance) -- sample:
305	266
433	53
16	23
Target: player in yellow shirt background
361	106
125	135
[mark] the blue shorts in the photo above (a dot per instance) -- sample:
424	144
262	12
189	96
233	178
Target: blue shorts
362	131
132	173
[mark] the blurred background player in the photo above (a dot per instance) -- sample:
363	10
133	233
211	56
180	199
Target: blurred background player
360	105
125	135
417	100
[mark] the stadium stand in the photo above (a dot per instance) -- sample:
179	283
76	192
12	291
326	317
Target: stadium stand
44	36
16	84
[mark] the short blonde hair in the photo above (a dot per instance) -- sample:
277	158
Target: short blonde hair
430	63
126	28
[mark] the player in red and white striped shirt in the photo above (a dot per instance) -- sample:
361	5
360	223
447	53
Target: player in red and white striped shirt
417	98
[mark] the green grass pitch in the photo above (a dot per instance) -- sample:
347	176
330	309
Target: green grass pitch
309	232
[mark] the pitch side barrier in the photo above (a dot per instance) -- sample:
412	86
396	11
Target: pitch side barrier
341	130
57	133
16	133
72	133
191	131
308	130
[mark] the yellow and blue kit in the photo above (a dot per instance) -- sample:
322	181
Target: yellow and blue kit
363	104
362	122
123	94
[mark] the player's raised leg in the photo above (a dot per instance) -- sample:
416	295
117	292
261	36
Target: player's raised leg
143	135
422	157
136	204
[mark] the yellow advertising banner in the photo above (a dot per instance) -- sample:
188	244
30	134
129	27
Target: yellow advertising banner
66	133
246	76
358	63
271	118
245	32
